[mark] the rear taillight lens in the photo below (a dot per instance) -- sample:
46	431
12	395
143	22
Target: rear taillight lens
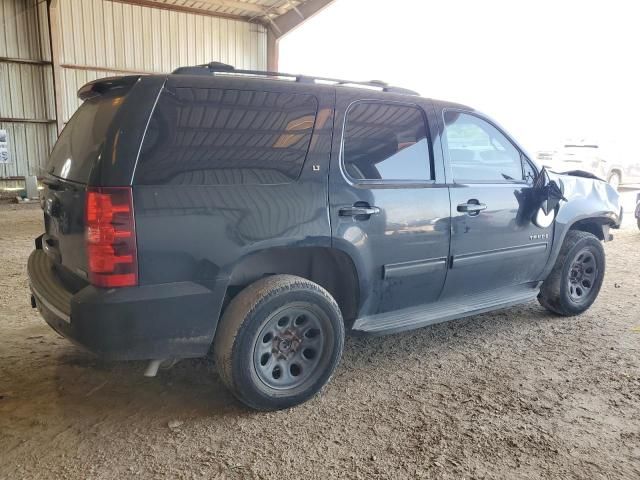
111	237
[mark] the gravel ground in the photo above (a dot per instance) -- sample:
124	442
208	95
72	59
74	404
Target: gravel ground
512	394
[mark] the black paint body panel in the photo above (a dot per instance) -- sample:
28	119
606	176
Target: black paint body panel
158	321
416	249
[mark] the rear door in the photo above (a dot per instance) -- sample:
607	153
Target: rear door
494	243
389	206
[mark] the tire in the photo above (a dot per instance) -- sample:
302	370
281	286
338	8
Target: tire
614	180
576	278
279	342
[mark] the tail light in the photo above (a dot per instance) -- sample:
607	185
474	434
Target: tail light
111	237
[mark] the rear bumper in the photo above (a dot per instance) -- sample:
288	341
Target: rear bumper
174	320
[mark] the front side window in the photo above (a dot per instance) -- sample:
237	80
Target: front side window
478	151
386	142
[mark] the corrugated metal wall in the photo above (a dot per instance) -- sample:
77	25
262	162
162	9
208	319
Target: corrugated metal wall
98	38
27	110
99	35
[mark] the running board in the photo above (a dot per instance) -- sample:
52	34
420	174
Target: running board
445	310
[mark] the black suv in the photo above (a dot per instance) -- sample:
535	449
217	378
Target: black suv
259	215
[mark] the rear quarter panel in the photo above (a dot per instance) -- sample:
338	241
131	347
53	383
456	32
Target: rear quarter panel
191	232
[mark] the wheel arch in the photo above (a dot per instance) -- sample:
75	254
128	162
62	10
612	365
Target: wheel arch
617	170
593	225
597	225
331	268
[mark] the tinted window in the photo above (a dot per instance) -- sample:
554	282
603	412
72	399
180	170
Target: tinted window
386	142
478	151
203	136
82	139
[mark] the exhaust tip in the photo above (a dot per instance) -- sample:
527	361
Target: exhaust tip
152	368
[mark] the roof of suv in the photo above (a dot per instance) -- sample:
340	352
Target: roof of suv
222	69
223	74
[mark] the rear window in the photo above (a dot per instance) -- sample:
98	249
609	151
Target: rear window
82	139
201	136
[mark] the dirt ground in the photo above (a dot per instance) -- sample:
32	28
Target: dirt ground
512	394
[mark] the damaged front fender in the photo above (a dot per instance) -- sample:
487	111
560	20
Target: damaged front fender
591	204
587	198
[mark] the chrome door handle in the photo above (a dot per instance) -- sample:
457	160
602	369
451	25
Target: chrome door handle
355	211
471	207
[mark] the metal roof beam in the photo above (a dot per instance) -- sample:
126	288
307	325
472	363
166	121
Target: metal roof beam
182	8
296	16
247	7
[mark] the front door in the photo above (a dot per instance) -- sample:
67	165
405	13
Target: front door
493	243
389	205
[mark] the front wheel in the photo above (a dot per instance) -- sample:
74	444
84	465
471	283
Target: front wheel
576	278
278	342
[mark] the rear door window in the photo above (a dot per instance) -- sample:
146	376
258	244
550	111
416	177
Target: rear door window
202	136
386	142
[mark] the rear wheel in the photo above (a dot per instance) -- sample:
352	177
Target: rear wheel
279	342
576	278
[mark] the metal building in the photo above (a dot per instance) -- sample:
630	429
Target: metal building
50	48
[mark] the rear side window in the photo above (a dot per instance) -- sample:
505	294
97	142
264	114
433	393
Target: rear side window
386	142
201	136
79	146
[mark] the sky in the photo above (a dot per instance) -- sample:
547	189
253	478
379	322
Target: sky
547	71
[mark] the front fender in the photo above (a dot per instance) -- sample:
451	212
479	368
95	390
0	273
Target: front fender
587	199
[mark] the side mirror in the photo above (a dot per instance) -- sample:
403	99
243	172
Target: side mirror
539	203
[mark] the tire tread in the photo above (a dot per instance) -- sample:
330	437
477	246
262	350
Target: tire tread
550	295
242	307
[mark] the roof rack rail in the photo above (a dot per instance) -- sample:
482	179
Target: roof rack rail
223	68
